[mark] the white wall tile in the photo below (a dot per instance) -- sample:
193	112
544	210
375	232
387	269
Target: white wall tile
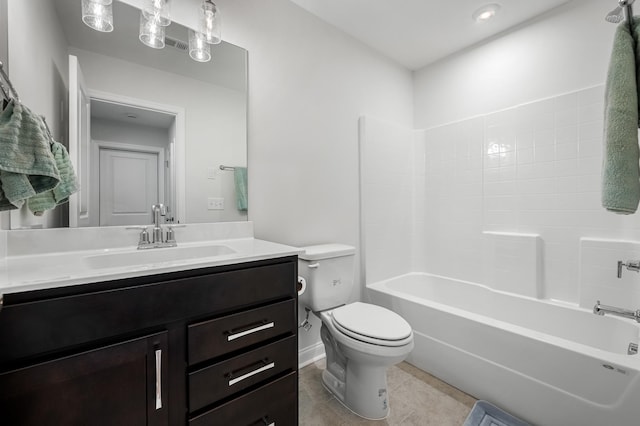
598	273
534	168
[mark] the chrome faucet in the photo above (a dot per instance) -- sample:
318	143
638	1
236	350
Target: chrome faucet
159	238
157	210
599	309
630	265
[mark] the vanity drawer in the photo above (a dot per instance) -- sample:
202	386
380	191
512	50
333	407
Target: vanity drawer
227	377
209	339
50	324
275	403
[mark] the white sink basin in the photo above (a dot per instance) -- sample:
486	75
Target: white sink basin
155	256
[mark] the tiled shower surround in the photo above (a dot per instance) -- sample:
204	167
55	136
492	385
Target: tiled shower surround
428	195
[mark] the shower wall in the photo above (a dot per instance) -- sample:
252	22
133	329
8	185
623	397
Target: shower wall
513	145
530	169
430	196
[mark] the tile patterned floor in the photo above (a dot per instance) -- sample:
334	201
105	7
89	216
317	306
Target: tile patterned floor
416	398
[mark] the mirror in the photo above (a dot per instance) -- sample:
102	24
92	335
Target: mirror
148	121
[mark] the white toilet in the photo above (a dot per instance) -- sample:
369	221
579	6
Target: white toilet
361	340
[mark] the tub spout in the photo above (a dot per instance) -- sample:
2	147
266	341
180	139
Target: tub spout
599	309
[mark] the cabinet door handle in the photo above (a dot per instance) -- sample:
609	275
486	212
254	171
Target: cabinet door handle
263	422
158	379
250	331
251	373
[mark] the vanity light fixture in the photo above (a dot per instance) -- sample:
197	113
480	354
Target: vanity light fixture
154	17
486	12
98	14
199	49
158	11
210	22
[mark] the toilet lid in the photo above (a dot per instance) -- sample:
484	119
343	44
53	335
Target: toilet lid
371	322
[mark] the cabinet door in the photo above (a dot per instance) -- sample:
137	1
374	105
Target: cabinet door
120	384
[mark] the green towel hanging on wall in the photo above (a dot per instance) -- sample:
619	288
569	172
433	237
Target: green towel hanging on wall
27	165
620	169
240	180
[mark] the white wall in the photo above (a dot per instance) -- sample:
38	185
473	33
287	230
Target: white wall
117	131
308	85
561	52
38	70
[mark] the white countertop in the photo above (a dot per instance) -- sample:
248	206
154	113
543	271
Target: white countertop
21	272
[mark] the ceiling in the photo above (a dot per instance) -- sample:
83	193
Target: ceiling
415	33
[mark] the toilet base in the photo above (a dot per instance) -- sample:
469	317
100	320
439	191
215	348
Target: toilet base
364	393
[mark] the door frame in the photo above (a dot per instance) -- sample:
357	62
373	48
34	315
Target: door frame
179	142
97	145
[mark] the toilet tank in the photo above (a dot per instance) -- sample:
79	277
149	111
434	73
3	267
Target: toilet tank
329	272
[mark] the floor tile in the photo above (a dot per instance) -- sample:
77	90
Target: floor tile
415	398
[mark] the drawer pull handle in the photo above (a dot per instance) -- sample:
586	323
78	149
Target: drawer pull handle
263	422
235	336
158	379
251	373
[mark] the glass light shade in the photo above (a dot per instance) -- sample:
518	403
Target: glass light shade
199	49
158	10
98	14
210	22
151	32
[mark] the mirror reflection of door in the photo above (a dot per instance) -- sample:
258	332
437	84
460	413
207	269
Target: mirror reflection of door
131	162
128	186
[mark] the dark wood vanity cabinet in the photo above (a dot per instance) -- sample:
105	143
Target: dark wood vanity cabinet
120	384
212	346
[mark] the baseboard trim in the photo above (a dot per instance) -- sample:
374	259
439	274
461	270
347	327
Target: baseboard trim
310	354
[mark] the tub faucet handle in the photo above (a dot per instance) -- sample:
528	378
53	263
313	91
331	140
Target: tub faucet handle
630	265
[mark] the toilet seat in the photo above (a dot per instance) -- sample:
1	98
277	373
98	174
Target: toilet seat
372	324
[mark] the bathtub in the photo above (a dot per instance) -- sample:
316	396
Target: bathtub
548	363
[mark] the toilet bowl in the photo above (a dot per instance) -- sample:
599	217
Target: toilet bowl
361	340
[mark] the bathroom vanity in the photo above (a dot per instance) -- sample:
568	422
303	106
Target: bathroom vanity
194	342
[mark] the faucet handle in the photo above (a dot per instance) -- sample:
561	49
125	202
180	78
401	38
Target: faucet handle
630	265
144	235
171	238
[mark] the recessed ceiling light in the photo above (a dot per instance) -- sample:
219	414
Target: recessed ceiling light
486	12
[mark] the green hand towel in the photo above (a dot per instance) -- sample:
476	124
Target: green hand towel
47	200
620	169
27	166
240	180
